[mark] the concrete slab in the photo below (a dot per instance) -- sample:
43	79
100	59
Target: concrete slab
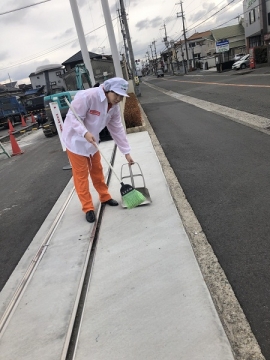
39	325
147	298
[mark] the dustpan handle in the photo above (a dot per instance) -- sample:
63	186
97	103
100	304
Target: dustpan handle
96	145
131	176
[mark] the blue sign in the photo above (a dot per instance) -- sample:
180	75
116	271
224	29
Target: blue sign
222	46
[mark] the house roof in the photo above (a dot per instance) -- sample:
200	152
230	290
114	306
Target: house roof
228	32
78	57
6	90
11	85
34	91
202	35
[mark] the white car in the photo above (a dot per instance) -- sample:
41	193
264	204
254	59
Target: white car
238	57
242	63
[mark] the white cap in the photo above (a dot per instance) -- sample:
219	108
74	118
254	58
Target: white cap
117	85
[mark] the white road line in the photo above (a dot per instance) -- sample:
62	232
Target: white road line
236	115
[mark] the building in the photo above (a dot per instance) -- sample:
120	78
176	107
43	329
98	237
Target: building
48	77
235	34
257	22
199	50
102	65
200	45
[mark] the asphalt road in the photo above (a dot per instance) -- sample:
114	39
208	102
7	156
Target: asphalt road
30	185
223	168
249	92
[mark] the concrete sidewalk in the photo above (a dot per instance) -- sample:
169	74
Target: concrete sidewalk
147	298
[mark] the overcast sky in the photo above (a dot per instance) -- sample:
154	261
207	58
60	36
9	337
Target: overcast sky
46	34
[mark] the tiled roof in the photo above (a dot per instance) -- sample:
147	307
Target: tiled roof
228	32
11	85
78	57
202	35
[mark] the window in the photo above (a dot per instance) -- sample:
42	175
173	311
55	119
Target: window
58	73
37	77
252	16
53	82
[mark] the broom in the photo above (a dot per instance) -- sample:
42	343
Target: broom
131	197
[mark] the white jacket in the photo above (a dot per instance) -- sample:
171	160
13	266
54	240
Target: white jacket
91	105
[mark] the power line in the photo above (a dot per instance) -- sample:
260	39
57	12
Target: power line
236	17
24	7
211	15
209	18
208	12
48	52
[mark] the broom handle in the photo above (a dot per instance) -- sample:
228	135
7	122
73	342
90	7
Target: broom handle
96	145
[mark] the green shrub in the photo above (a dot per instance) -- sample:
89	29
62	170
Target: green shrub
260	53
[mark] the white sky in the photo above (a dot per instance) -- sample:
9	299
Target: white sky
46	34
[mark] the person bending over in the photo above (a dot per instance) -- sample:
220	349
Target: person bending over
97	107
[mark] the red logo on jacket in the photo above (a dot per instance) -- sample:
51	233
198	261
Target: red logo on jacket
94	112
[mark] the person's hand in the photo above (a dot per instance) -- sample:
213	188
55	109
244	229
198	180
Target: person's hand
90	138
129	159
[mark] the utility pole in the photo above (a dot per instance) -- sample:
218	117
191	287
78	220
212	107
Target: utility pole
147	55
184	29
110	31
164	27
154	43
152	58
81	37
132	60
125	42
166	42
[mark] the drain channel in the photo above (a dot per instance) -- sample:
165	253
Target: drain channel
69	350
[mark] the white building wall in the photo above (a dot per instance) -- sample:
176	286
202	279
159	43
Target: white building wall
267	16
252	12
38	80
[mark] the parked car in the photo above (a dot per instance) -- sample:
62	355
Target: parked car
160	73
242	63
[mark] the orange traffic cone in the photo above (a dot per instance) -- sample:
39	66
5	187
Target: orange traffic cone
23	121
33	118
10	126
15	147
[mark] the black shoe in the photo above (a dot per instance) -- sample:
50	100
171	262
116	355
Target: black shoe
90	216
111	202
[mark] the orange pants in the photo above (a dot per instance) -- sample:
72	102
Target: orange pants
81	167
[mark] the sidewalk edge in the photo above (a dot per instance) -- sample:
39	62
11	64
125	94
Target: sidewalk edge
243	342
